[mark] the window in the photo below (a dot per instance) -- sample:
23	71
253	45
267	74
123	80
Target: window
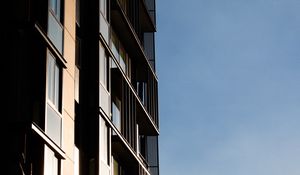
51	162
55	20
53	117
78	12
119	52
116	168
142	91
123	56
104	145
103	69
123	4
115	45
103	8
116	114
128	72
55	6
103	17
104	96
104	141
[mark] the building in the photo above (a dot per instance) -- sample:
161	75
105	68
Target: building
80	87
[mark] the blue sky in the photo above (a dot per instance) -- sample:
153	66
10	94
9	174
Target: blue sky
229	87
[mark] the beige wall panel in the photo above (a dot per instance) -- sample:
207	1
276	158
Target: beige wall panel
70	17
67	167
69	53
68	94
68	136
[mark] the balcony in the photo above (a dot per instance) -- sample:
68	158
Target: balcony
130	160
131	103
127	34
146	20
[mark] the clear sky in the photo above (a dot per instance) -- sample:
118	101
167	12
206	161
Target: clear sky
229	86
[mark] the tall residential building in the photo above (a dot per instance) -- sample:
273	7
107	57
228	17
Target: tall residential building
80	87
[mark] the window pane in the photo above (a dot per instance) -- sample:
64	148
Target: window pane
116	168
124	5
53	125
103	5
123	58
54	5
103	66
55	32
53	76
104	28
56	86
103	141
116	116
50	77
57	12
53	119
115	45
104	100
50	162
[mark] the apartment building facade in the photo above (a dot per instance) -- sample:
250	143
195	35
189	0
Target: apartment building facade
81	90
